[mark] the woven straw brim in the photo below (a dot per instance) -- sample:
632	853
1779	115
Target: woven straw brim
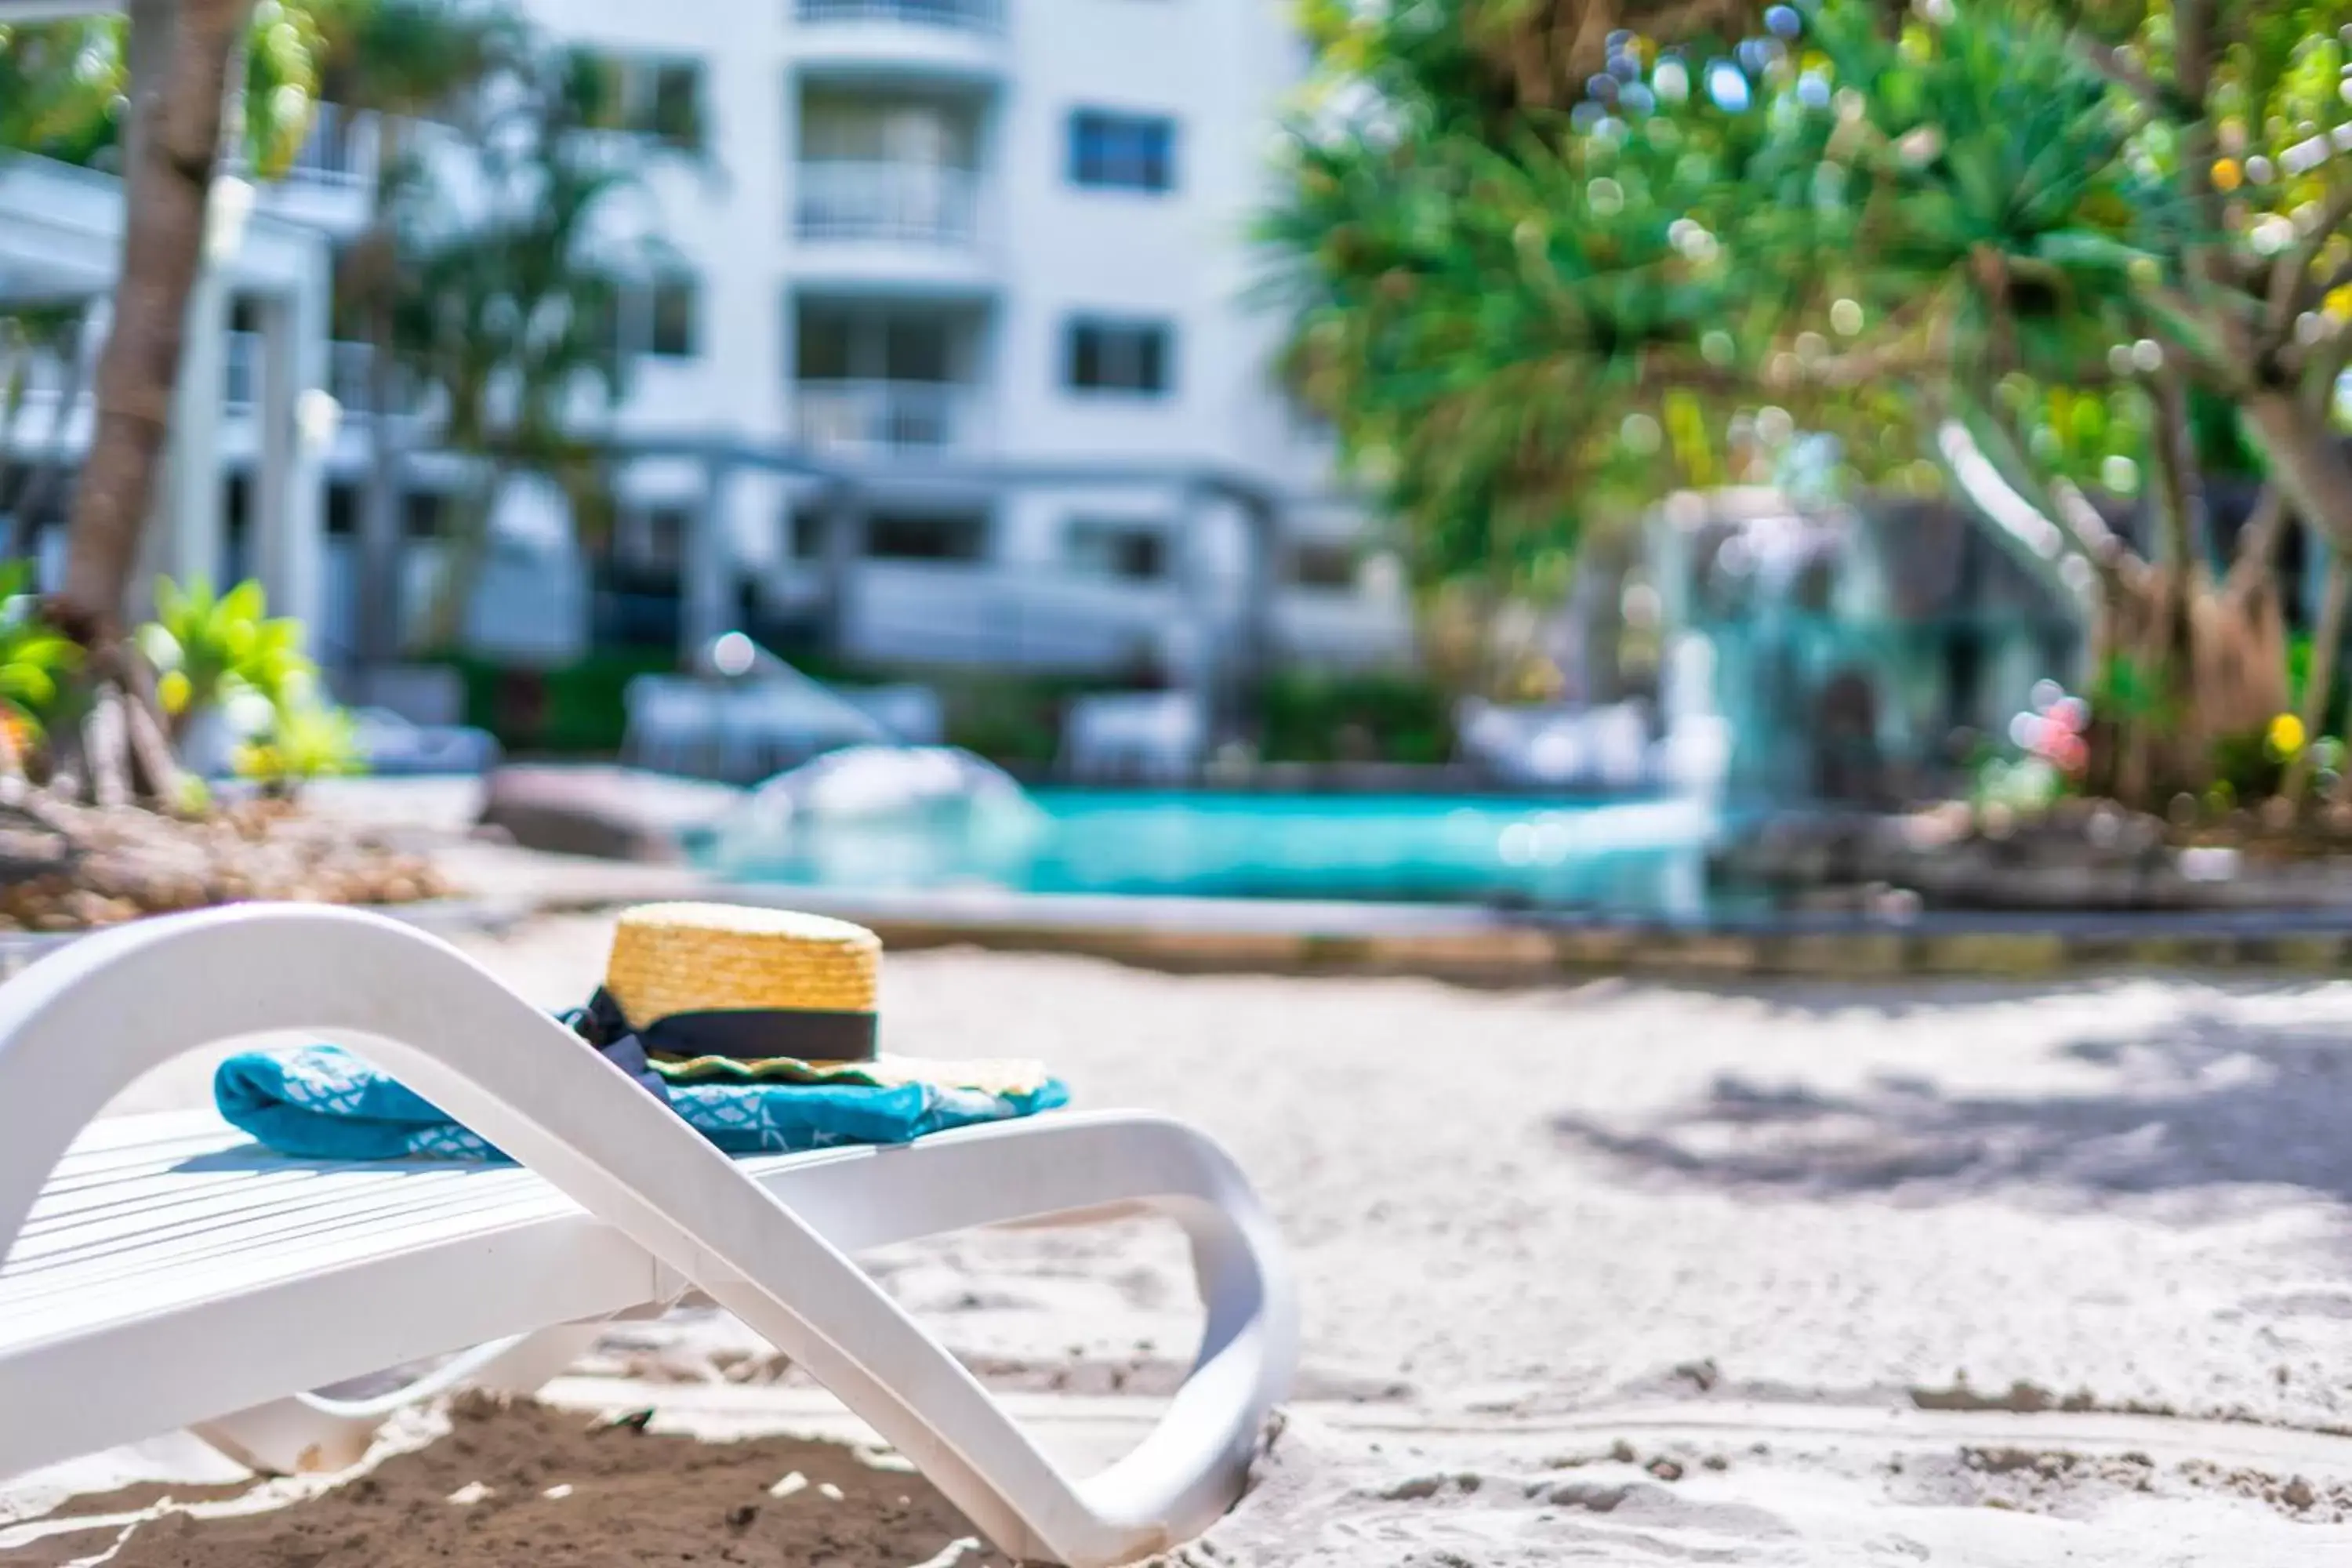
695	958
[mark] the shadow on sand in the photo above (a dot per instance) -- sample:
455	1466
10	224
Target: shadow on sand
2204	1103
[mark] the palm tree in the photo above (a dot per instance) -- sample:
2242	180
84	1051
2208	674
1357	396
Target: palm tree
509	312
402	61
179	76
188	70
181	53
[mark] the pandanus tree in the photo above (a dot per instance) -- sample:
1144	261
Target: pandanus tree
2020	252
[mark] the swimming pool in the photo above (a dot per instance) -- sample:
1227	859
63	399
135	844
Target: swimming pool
1643	856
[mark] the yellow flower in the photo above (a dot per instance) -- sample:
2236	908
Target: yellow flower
2287	734
173	691
2227	174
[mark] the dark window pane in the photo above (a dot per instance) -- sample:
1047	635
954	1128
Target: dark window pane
1085	355
426	515
915	348
592	84
824	352
1143	557
808	532
604	331
658	541
1133	551
342	508
1122	152
1111	356
676	111
917	536
673	332
1323	565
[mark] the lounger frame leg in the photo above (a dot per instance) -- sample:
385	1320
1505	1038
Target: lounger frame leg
772	1255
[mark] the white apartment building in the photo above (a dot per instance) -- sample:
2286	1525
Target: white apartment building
957	361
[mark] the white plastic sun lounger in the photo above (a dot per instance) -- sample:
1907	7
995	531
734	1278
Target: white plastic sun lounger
161	1272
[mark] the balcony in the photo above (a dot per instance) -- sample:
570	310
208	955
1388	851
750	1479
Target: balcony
340	150
885	417
347	375
854	200
943	41
963	15
331	183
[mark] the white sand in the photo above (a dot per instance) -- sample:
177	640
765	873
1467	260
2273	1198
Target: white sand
1521	1220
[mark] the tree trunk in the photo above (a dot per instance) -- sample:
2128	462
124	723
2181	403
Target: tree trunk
167	179
379	639
2304	461
2181	740
465	546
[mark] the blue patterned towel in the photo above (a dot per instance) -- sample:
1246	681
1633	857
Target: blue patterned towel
323	1103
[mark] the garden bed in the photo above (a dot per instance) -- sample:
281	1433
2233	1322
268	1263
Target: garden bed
66	866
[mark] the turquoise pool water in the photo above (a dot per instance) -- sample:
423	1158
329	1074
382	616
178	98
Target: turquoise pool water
1636	856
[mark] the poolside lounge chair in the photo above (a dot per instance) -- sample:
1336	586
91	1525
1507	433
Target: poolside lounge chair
161	1272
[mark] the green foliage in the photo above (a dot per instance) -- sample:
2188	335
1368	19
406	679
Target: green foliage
417	58
575	711
59	83
304	741
1529	302
1311	715
208	649
1013	721
2247	767
32	657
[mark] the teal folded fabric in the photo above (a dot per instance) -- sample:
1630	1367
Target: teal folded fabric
320	1103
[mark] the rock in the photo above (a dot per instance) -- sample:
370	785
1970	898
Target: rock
611	814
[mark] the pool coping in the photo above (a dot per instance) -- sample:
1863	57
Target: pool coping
1493	945
1467	943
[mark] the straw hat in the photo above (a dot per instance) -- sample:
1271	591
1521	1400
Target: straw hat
725	993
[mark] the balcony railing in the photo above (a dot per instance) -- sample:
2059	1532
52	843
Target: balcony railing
900	203
883	415
965	15
339	152
347	373
340	149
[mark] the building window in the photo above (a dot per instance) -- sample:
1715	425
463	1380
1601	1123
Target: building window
1328	566
672	307
645	96
659	316
424	514
1128	552
651	540
1122	152
926	536
835	343
342	510
1119	357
